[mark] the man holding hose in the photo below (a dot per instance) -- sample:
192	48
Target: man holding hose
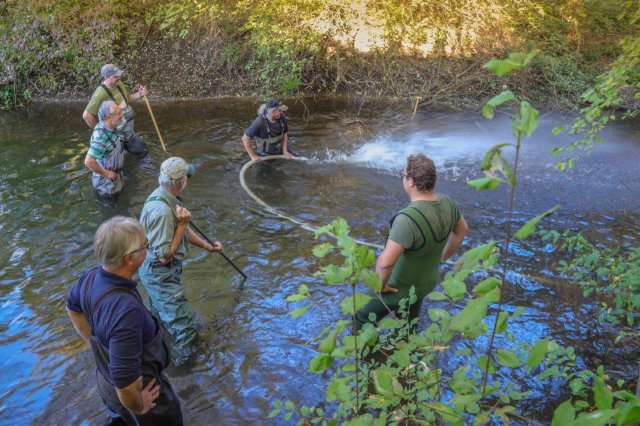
270	130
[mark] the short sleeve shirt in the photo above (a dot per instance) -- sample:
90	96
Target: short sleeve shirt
100	95
259	127
159	220
103	141
121	323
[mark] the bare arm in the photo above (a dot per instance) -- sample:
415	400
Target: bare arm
455	239
285	145
246	141
197	240
80	324
90	119
141	93
137	399
183	216
385	263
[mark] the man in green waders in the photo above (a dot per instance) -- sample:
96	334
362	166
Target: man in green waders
421	237
112	88
167	225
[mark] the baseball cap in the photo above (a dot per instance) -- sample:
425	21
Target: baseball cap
275	103
110	70
176	167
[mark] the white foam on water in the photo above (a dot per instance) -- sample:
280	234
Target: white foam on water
389	154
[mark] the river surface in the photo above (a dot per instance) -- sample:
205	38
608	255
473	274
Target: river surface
251	352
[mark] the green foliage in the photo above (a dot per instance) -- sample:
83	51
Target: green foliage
610	272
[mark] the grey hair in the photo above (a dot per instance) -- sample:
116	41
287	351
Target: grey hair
167	182
115	238
105	110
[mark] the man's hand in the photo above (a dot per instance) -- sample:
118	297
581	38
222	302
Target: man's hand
216	247
256	158
142	92
183	216
387	289
149	394
111	175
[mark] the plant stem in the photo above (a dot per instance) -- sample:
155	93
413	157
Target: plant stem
355	340
504	265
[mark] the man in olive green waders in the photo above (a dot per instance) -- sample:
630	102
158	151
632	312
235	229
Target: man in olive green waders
167	225
421	237
112	88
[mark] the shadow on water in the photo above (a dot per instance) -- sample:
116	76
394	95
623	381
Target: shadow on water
251	352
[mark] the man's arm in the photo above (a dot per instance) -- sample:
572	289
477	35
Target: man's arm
141	93
198	241
93	165
246	141
137	399
183	216
90	119
455	239
385	263
80	324
285	145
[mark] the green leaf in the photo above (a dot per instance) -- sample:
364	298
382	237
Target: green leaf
564	414
333	274
496	101
482	364
530	227
385	382
328	344
528	120
602	394
300	311
471	258
320	363
338	389
322	249
274	413
537	354
596	418
438	315
501	323
453	288
371	280
484	183
436	295
514	62
289	405
508	358
486	285
297	297
347	303
518	312
471	315
494	151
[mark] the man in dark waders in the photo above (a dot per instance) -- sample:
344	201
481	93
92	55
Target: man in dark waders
270	130
127	341
167	226
422	236
112	88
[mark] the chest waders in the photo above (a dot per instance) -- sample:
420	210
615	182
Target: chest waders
125	129
155	358
421	267
114	161
271	145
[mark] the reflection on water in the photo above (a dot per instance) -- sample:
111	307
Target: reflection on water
251	352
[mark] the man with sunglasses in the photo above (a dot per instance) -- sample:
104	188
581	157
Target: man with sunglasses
128	342
421	237
106	155
112	88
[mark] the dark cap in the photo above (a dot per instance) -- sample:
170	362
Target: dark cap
275	103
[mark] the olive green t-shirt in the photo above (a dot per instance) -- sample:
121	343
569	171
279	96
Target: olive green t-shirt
100	95
439	214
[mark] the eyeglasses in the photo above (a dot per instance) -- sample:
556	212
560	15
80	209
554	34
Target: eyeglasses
142	247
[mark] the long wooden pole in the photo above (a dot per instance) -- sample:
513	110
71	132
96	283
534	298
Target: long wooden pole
199	231
415	108
153	118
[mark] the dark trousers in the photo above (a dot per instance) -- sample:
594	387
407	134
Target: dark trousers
138	147
375	306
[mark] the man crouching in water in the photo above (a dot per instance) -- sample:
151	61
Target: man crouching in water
128	342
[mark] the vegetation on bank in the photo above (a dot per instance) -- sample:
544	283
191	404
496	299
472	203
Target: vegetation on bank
397	48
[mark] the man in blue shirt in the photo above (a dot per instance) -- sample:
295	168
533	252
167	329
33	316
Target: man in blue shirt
128	343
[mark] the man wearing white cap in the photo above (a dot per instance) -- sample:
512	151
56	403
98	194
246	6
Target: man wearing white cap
112	88
167	225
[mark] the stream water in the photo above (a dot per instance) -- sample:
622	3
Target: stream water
251	352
